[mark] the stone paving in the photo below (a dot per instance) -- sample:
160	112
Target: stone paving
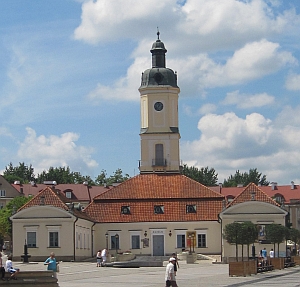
84	274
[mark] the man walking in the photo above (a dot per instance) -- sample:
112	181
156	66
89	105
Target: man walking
170	275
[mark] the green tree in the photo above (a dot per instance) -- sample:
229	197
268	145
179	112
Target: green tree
248	235
9	210
245	178
276	233
207	176
231	235
24	173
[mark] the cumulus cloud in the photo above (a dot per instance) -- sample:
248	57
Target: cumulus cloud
293	82
246	101
228	142
43	152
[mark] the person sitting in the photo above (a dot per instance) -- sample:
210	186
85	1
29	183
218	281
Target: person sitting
10	269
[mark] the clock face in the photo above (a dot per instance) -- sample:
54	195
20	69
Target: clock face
158	106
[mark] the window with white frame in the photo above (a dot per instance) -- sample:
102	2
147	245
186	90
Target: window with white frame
180	240
68	194
1	205
135	239
53	236
201	240
31	236
2	193
114	242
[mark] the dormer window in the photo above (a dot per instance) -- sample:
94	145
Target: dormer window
191	209
68	194
125	210
159	209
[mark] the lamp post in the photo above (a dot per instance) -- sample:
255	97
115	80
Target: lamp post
116	241
193	237
106	236
190	238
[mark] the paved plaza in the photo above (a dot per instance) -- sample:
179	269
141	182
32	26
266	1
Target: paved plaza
85	274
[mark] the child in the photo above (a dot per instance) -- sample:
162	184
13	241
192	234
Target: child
13	271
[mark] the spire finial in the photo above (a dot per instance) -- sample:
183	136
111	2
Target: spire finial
158	33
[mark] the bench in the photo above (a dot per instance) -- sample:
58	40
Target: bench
289	262
264	265
32	278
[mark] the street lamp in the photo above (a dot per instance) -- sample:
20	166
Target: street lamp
116	241
193	237
190	238
106	236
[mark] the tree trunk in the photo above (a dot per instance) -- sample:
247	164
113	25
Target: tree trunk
236	252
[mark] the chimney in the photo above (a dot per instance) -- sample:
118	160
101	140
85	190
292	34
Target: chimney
240	185
274	185
292	185
21	190
220	187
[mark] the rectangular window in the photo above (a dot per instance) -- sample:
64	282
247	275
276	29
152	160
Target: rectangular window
68	194
2	193
201	240
53	239
135	242
159	155
114	242
180	241
31	239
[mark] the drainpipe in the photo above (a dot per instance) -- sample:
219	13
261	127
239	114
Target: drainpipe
74	239
92	238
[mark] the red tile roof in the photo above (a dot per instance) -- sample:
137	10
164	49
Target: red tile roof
290	195
55	198
252	192
80	192
143	192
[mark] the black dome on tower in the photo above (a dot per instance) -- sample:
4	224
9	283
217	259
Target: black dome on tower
158	75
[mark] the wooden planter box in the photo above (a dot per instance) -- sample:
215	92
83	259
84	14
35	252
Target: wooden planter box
278	263
296	259
242	268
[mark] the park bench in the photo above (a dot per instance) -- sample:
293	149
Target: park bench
31	279
289	262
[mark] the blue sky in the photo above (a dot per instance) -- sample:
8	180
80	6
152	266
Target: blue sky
70	72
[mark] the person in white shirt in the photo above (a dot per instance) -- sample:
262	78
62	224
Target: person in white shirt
271	253
103	256
170	275
13	271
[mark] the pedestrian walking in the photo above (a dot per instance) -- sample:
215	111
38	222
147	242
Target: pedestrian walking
170	275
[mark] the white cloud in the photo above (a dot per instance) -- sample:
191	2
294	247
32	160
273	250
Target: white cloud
124	88
43	152
107	20
207	109
228	143
245	101
293	82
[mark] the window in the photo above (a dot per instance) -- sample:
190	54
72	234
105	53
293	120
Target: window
201	240
180	241
68	194
191	209
53	236
2	193
1	205
114	242
159	155
31	238
53	239
158	209
125	209
135	242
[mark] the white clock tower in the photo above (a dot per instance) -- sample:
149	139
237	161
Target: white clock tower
159	115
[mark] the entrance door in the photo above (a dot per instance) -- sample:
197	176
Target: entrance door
158	245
